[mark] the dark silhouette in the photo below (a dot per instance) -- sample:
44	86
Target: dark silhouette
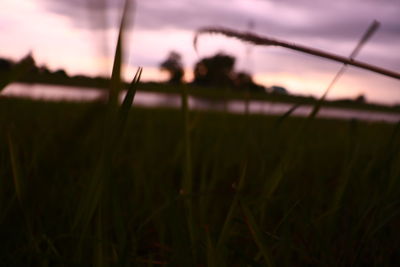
215	71
5	65
26	71
60	74
360	99
173	64
279	90
218	71
244	82
17	71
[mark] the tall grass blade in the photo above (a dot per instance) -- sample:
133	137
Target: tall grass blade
345	177
256	234
19	187
130	95
286	115
18	184
367	35
266	41
211	252
100	206
116	82
224	234
187	180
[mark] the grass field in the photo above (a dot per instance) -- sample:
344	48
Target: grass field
179	188
106	185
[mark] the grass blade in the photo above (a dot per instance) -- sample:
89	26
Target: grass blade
18	184
257	234
130	95
266	41
286	115
229	217
116	81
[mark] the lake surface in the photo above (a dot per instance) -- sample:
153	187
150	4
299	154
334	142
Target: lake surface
152	99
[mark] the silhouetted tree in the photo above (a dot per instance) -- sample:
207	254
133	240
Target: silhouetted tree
360	99
43	70
243	81
219	71
216	70
19	71
173	64
60	74
5	65
279	90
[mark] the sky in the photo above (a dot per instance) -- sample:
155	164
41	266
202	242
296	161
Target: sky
80	35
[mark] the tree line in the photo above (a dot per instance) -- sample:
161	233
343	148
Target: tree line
217	71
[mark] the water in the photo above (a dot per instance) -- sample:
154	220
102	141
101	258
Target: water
151	99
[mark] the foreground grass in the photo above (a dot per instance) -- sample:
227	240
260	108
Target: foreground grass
194	189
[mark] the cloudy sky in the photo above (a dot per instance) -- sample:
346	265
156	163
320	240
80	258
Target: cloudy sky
79	36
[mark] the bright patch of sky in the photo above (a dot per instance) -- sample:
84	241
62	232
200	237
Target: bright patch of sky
62	34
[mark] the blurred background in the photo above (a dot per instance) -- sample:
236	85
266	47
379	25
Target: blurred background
79	37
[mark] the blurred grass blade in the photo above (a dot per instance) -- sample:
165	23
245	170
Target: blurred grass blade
229	217
394	212
116	81
370	31
275	180
286	114
266	41
367	35
257	234
19	192
210	247
18	185
97	211
116	74
187	180
347	174
285	217
130	95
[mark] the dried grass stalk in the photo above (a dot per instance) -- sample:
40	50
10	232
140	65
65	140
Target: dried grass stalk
265	41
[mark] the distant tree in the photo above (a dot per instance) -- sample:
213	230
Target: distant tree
20	71
360	99
244	81
26	69
5	65
43	70
60	73
216	70
219	71
173	65
279	90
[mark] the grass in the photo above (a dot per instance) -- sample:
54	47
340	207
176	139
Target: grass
101	184
214	189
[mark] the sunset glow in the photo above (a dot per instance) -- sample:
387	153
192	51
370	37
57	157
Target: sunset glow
60	37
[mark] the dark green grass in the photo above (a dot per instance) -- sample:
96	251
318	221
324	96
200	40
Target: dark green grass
212	190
